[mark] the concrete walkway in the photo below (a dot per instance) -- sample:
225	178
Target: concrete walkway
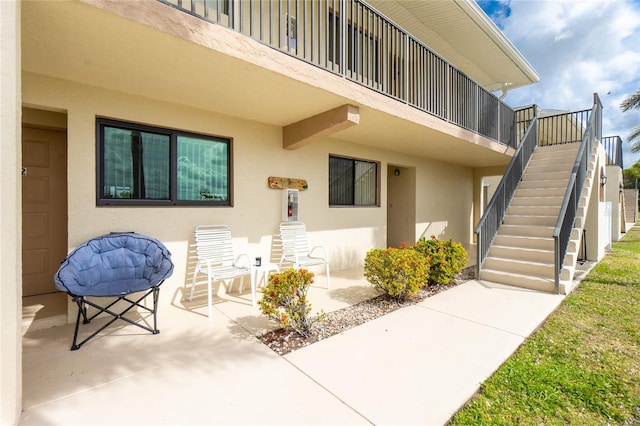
417	365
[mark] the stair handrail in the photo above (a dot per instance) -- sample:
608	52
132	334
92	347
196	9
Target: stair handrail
571	200
613	148
494	213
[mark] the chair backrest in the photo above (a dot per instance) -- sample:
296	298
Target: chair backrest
294	238
116	263
213	243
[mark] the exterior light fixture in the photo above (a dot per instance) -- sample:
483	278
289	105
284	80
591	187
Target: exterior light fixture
396	172
603	180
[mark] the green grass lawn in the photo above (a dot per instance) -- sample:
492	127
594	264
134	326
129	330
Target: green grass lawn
582	366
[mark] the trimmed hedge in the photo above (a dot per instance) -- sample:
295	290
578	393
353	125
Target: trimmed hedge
446	258
397	272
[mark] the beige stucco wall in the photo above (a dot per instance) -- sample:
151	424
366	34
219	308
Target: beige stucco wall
613	194
10	222
595	224
444	201
494	174
491	182
444	192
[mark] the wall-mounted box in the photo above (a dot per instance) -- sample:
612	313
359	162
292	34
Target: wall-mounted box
290	206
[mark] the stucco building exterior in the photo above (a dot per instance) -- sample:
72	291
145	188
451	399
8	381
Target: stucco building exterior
402	94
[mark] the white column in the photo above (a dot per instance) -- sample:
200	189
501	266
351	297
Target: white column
10	215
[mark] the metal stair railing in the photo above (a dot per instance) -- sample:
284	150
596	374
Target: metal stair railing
563	128
495	211
570	203
613	147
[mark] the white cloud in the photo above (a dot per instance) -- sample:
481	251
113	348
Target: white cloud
579	47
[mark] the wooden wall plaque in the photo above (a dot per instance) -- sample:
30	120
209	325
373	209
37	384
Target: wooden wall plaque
287	183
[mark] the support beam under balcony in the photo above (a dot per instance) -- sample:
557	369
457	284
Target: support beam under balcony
319	126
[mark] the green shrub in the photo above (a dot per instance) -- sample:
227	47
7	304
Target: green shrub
397	272
447	258
285	300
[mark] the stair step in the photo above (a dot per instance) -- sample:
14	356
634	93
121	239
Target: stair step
522	267
555	200
544	168
541	191
560	164
518	280
559	147
526	231
542	175
559	151
521	253
544	183
559	160
528	220
524	242
533	210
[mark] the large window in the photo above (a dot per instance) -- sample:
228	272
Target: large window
352	182
142	165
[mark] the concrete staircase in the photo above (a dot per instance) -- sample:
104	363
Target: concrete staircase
522	253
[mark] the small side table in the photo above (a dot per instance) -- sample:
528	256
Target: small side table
262	272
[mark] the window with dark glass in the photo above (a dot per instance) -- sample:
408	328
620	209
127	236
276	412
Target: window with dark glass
352	182
142	165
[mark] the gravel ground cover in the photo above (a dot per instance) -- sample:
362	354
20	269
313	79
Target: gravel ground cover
284	341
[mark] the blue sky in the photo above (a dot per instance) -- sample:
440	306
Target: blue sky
578	47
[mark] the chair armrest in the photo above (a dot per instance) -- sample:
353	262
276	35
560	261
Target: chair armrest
322	248
288	253
242	256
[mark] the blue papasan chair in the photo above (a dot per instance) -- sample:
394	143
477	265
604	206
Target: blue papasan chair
114	266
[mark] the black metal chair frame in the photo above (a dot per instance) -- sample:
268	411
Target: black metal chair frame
82	303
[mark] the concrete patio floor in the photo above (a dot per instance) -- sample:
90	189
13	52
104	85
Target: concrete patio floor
417	365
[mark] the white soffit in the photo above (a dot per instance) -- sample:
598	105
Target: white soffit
460	32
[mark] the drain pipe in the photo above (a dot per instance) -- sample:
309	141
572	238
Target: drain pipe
583	259
504	89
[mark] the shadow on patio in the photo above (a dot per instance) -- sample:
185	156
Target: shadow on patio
126	375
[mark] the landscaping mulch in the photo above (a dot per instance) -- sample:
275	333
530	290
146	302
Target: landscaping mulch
284	341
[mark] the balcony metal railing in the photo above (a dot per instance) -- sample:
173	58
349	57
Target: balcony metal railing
524	117
613	147
563	128
495	211
353	40
570	203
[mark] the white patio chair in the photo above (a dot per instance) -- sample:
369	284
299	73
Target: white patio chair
295	248
216	259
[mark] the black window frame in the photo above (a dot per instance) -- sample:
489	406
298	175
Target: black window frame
353	183
173	134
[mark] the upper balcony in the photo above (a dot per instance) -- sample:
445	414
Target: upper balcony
351	39
215	55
